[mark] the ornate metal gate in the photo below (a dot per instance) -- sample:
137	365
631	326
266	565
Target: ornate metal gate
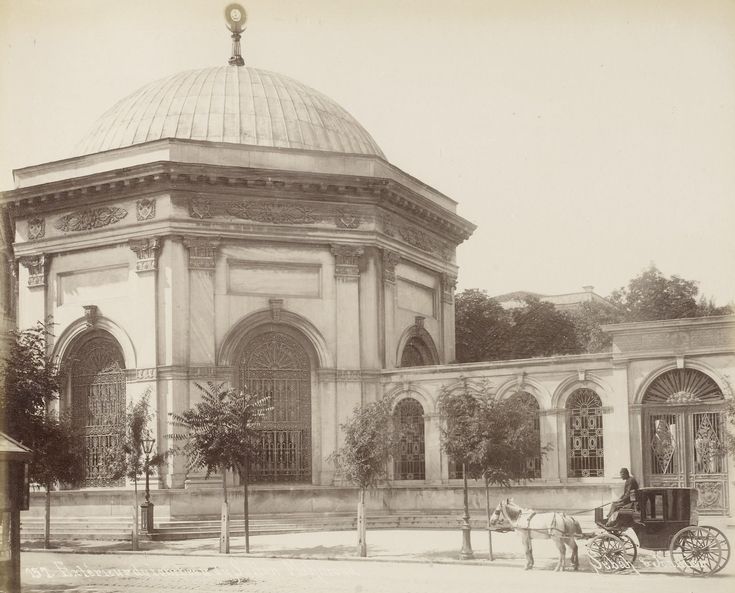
276	365
410	462
98	404
683	436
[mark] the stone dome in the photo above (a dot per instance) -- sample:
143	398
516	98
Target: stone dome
241	105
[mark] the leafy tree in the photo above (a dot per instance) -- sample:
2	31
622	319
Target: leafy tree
58	457
221	433
370	440
127	459
482	327
461	437
30	380
588	321
651	296
539	329
508	439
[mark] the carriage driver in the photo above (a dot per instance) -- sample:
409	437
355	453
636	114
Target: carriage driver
624	502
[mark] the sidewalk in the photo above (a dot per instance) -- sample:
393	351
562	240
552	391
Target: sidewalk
394	545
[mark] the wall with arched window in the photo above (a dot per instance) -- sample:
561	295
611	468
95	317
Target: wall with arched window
410	461
585	443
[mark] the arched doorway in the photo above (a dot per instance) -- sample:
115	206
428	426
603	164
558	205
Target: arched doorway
275	364
98	402
684	436
410	463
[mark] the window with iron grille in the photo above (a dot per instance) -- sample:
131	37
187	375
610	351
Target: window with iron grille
585	449
274	364
98	404
410	464
532	464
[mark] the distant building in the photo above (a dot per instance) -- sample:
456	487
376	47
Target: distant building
564	302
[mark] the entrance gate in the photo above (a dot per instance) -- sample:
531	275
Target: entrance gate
684	435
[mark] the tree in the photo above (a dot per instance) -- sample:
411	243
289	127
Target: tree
461	437
30	380
126	459
58	457
651	296
508	439
482	327
540	330
369	440
221	433
588	320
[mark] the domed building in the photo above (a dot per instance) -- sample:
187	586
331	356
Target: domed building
233	225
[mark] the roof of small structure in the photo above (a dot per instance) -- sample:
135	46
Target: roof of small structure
236	104
12	449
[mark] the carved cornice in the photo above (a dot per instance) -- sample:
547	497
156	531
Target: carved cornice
348	375
347	260
36	266
202	252
390	261
146	251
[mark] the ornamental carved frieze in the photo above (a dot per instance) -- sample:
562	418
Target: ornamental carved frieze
346	220
388	225
36	266
348	375
200	208
91	218
347	260
145	209
449	285
272	212
390	261
146	251
36	228
202	252
418	238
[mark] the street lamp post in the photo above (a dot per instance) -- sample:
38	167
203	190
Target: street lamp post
466	552
146	516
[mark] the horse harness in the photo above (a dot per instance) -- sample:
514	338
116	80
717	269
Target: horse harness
528	527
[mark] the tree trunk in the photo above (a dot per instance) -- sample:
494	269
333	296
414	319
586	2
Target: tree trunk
489	531
135	516
47	521
361	530
245	513
224	536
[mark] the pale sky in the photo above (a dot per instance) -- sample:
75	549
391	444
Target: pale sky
584	138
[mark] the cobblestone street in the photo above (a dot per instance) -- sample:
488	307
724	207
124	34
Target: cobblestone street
428	567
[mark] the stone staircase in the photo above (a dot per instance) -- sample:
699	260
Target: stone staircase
119	528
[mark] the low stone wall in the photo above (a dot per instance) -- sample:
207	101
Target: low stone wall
205	503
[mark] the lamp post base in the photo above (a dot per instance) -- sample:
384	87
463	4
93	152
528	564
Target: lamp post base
466	553
146	517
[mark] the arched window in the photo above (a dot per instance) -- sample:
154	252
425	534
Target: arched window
415	354
98	403
585	450
410	462
533	464
276	364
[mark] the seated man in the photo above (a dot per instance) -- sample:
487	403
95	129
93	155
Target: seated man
624	501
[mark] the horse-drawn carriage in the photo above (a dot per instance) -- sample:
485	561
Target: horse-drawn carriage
663	519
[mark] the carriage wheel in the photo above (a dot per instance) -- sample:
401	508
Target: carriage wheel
631	550
608	553
699	551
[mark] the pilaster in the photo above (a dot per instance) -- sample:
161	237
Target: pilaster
202	263
390	261
449	285
32	286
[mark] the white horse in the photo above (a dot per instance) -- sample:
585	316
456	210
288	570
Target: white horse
560	528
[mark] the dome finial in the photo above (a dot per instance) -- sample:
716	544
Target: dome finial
236	18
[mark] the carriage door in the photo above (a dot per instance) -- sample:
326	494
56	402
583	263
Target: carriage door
684	437
276	365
